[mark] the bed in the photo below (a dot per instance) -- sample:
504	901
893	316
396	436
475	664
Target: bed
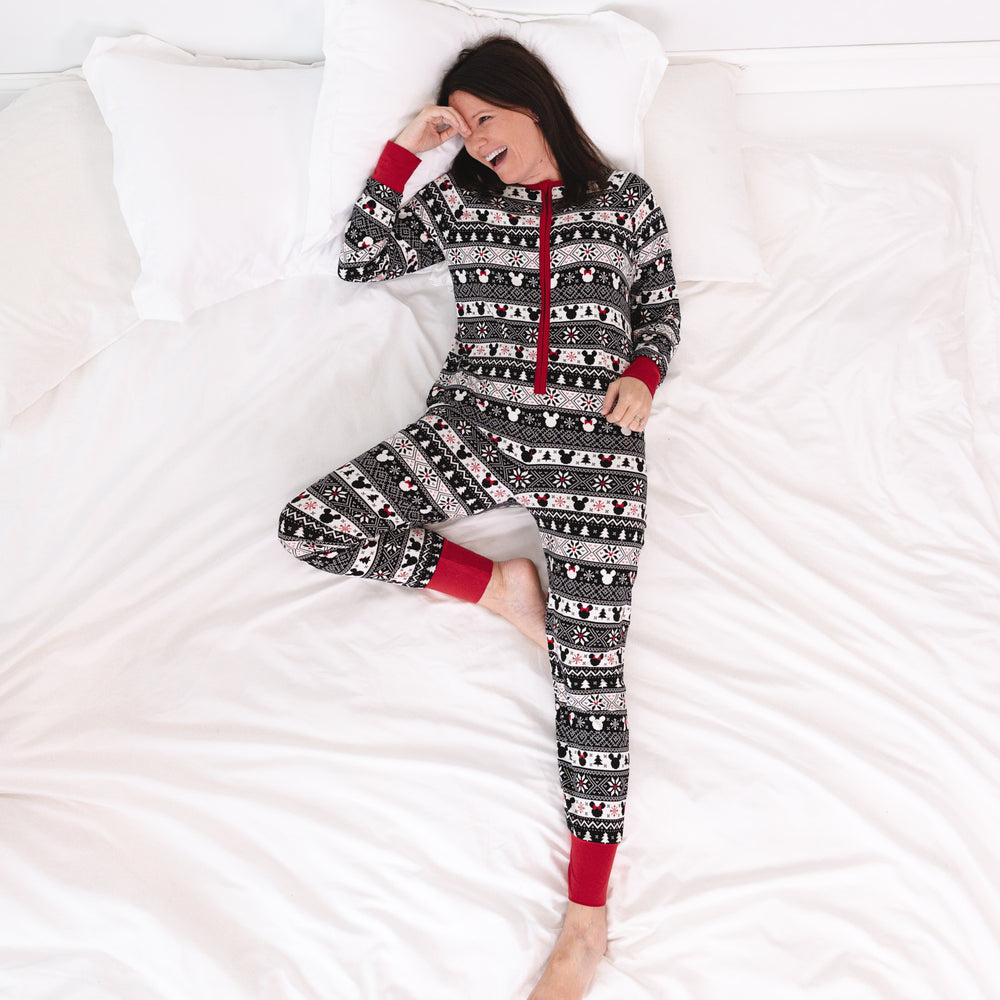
214	782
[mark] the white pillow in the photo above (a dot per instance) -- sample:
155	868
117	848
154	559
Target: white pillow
66	261
211	167
694	165
385	60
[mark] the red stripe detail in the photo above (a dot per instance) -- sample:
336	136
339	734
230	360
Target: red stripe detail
545	279
645	370
590	871
395	166
461	573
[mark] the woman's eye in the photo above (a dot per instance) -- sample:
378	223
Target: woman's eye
483	118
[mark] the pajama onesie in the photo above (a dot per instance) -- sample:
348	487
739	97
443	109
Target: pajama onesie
553	304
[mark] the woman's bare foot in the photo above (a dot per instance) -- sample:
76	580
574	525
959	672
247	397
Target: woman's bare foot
576	956
515	593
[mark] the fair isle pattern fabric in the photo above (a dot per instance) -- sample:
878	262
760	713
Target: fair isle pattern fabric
489	439
368	518
610	287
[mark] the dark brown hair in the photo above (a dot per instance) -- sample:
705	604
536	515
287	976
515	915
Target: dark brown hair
505	73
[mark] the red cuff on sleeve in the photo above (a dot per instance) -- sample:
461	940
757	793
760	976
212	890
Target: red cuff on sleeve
589	871
645	370
395	166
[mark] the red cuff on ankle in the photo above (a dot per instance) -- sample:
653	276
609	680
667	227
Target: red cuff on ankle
461	573
590	871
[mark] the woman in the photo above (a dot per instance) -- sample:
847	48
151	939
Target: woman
566	323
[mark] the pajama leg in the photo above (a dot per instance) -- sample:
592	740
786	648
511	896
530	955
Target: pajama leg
366	518
592	546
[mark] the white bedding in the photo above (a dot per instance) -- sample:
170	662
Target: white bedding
214	780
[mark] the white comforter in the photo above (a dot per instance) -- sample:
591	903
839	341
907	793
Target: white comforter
217	762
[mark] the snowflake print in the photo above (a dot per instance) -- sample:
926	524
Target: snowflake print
634	509
456	257
333	493
560	501
600	506
581	783
574	549
450	439
482	255
482	329
571	335
475	467
520	479
587	252
448	503
310	505
590	402
610	554
489	453
515	258
581	634
602	483
562	479
427	477
638	487
630	197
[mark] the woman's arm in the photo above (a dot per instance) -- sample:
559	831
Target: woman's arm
656	315
656	319
384	239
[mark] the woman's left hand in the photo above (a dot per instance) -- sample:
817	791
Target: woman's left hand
627	403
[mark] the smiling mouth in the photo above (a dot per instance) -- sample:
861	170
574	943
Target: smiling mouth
497	157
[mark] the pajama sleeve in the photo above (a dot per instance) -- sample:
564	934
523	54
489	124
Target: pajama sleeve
385	239
656	317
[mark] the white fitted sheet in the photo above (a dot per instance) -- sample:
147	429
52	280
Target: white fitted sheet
225	774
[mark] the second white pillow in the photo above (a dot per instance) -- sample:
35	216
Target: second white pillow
694	165
211	168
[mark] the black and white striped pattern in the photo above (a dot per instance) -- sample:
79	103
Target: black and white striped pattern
488	439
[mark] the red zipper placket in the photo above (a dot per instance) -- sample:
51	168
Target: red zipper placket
545	279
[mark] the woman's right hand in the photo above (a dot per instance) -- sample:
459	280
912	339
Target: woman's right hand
432	126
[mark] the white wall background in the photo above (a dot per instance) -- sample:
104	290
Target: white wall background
39	36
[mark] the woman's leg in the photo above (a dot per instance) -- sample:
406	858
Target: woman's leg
591	571
591	546
366	518
592	528
591	563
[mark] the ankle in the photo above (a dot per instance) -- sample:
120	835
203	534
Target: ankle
496	588
590	923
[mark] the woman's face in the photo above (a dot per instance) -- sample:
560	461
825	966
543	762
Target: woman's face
508	142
